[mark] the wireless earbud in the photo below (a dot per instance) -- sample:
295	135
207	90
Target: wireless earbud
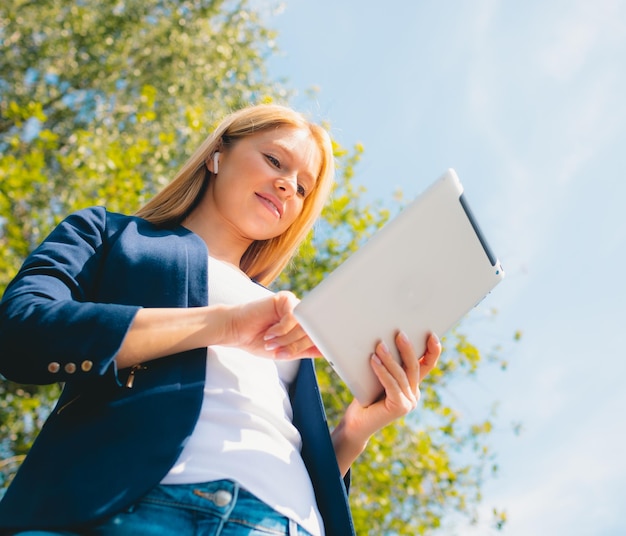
216	157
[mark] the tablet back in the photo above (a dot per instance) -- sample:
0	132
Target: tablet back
421	273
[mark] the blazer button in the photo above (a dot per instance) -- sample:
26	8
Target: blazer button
86	366
54	367
70	368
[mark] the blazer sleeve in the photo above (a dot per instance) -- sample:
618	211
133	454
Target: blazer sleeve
50	331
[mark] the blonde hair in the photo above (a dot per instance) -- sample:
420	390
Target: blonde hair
264	259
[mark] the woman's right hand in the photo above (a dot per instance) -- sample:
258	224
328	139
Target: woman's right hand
267	327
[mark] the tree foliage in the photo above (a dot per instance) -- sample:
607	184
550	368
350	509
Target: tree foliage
100	101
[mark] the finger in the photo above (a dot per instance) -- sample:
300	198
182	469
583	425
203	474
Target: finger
410	360
295	343
398	400
431	356
312	352
395	373
284	304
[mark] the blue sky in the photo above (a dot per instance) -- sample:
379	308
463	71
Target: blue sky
527	102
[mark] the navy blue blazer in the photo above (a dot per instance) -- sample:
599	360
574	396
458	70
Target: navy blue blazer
63	319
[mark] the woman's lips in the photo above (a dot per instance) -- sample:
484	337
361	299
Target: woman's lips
271	203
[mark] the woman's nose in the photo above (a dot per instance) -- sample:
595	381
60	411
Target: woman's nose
287	185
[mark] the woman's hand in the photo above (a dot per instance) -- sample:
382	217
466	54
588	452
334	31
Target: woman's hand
265	327
268	327
401	384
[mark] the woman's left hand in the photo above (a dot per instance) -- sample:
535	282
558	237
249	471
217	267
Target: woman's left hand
401	383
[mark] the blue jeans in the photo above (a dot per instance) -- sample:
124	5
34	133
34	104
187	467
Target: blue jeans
220	508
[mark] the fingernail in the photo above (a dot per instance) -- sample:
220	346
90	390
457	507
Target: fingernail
404	336
436	339
269	337
384	347
376	359
271	346
283	354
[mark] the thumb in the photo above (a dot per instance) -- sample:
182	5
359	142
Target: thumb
284	304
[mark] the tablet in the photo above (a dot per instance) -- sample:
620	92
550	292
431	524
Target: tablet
420	273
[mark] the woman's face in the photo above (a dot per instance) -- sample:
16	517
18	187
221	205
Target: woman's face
262	181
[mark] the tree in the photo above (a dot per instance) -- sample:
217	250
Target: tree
100	101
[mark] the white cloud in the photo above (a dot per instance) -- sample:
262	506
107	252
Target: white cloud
544	126
551	492
568	52
578	33
570	487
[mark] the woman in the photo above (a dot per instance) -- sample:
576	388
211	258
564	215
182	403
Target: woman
189	406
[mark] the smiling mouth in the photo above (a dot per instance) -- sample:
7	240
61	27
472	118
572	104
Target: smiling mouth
270	205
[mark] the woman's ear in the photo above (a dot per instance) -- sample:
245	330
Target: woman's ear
212	164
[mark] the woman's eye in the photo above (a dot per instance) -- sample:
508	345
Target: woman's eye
301	190
274	161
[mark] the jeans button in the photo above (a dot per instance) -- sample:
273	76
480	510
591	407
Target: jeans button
222	497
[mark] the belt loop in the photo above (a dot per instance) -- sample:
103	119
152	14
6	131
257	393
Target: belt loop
293	528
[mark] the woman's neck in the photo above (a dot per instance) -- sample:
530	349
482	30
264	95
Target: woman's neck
223	242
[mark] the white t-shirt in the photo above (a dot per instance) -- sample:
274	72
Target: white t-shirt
244	431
